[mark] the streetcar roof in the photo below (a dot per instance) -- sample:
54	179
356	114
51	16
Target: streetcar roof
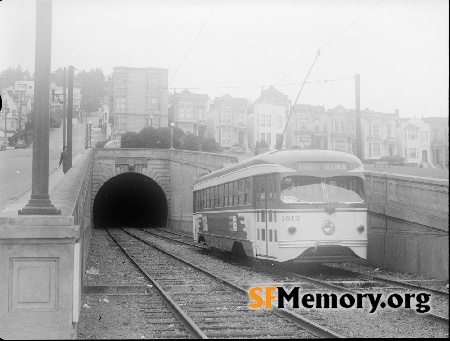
285	161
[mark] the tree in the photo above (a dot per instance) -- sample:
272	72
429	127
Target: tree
130	140
57	76
93	89
190	142
9	76
210	145
148	137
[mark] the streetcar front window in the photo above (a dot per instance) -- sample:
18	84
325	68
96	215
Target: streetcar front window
296	189
344	189
308	189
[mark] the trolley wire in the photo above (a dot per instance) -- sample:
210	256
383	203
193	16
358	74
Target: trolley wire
330	40
189	50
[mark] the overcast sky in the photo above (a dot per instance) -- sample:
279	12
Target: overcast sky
399	47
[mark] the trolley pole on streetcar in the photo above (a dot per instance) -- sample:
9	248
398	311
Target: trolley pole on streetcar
359	146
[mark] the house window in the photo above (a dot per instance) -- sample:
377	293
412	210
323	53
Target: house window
339	145
302	122
268	120
13	124
120	103
412	134
423	135
262	120
154	103
376	130
119	122
200	114
279	121
181	112
224	135
413	153
303	139
339	127
376	149
188	112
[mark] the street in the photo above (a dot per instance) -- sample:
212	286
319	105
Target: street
16	164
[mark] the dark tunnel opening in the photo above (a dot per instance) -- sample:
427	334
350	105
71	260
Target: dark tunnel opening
130	200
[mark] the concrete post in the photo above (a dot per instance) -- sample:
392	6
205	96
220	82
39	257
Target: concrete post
40	200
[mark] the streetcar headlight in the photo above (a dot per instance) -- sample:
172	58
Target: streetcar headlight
292	229
328	227
360	228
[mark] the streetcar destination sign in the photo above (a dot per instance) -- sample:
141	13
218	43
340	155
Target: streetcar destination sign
322	166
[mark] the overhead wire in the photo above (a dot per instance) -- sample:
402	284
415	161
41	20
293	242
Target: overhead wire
330	40
193	42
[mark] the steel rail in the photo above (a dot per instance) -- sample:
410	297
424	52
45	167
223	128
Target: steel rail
190	325
291	316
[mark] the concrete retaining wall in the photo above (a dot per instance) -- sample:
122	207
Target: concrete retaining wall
408	224
42	260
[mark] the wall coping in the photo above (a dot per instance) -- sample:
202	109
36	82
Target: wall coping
63	196
412	178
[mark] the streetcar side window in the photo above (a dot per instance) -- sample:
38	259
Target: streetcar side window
270	235
235	193
263	234
247	191
225	196
241	186
256	182
220	194
262	190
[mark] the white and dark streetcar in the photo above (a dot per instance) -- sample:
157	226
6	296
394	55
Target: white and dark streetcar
299	205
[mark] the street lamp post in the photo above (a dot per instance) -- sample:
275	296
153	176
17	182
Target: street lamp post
151	120
90	134
171	135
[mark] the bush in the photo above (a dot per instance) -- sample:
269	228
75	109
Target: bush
190	142
148	137
101	144
130	140
395	160
210	145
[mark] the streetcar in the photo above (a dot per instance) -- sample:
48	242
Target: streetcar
298	205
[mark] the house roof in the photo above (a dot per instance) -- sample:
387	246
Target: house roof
267	95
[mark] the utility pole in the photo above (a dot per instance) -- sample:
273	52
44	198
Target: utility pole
359	146
69	118
65	106
39	203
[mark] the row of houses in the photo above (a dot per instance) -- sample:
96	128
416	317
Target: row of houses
139	97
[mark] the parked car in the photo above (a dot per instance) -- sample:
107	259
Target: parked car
237	150
112	144
20	144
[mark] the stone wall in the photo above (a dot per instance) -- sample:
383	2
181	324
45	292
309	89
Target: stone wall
408	224
42	260
173	170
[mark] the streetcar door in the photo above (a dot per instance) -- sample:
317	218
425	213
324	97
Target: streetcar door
261	216
271	199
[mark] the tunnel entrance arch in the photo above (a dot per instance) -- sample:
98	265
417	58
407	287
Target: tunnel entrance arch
130	200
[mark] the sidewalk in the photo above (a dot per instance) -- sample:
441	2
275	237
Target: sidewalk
56	175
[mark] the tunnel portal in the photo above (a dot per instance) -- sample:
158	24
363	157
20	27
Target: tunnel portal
130	200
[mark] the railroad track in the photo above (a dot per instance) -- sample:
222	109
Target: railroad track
337	284
209	306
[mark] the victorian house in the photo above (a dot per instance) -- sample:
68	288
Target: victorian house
377	132
188	112
306	128
438	128
414	140
138	97
227	121
267	119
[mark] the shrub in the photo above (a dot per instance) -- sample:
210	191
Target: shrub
190	142
130	140
101	144
210	145
394	160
